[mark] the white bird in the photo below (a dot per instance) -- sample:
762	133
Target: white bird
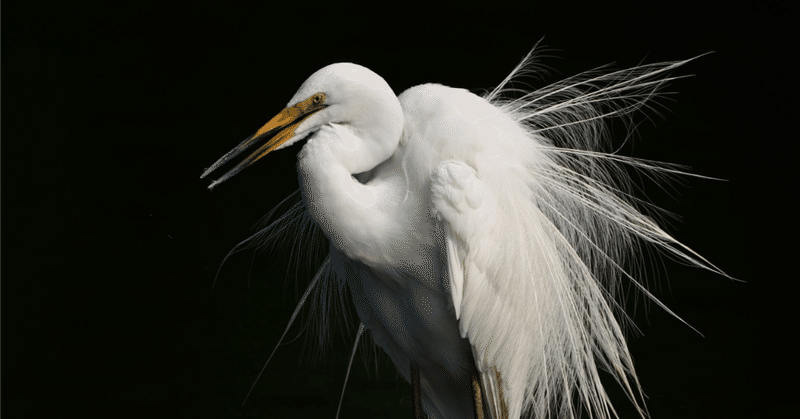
480	239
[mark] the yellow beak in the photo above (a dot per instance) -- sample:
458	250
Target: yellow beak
273	134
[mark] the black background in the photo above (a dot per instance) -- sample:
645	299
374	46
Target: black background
110	111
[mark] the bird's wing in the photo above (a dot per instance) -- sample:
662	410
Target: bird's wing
463	204
465	207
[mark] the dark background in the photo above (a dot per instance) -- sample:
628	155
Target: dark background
110	242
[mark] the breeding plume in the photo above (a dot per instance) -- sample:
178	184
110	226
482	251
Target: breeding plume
480	239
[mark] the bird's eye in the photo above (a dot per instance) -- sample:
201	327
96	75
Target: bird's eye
317	99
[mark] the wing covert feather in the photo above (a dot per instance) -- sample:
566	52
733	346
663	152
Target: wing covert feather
463	204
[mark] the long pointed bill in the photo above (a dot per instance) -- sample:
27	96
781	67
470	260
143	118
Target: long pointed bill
271	136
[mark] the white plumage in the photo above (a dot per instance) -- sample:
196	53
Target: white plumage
477	236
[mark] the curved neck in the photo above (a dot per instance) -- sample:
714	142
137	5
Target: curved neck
352	215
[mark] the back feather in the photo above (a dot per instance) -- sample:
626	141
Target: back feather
540	277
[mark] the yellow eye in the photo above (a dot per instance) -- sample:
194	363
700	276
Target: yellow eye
317	99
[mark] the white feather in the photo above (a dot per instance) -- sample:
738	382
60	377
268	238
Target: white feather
497	220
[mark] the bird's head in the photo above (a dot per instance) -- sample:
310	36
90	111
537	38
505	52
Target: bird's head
343	93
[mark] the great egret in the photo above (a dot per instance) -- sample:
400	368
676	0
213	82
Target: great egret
480	238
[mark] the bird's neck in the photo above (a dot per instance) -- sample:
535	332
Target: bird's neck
351	214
